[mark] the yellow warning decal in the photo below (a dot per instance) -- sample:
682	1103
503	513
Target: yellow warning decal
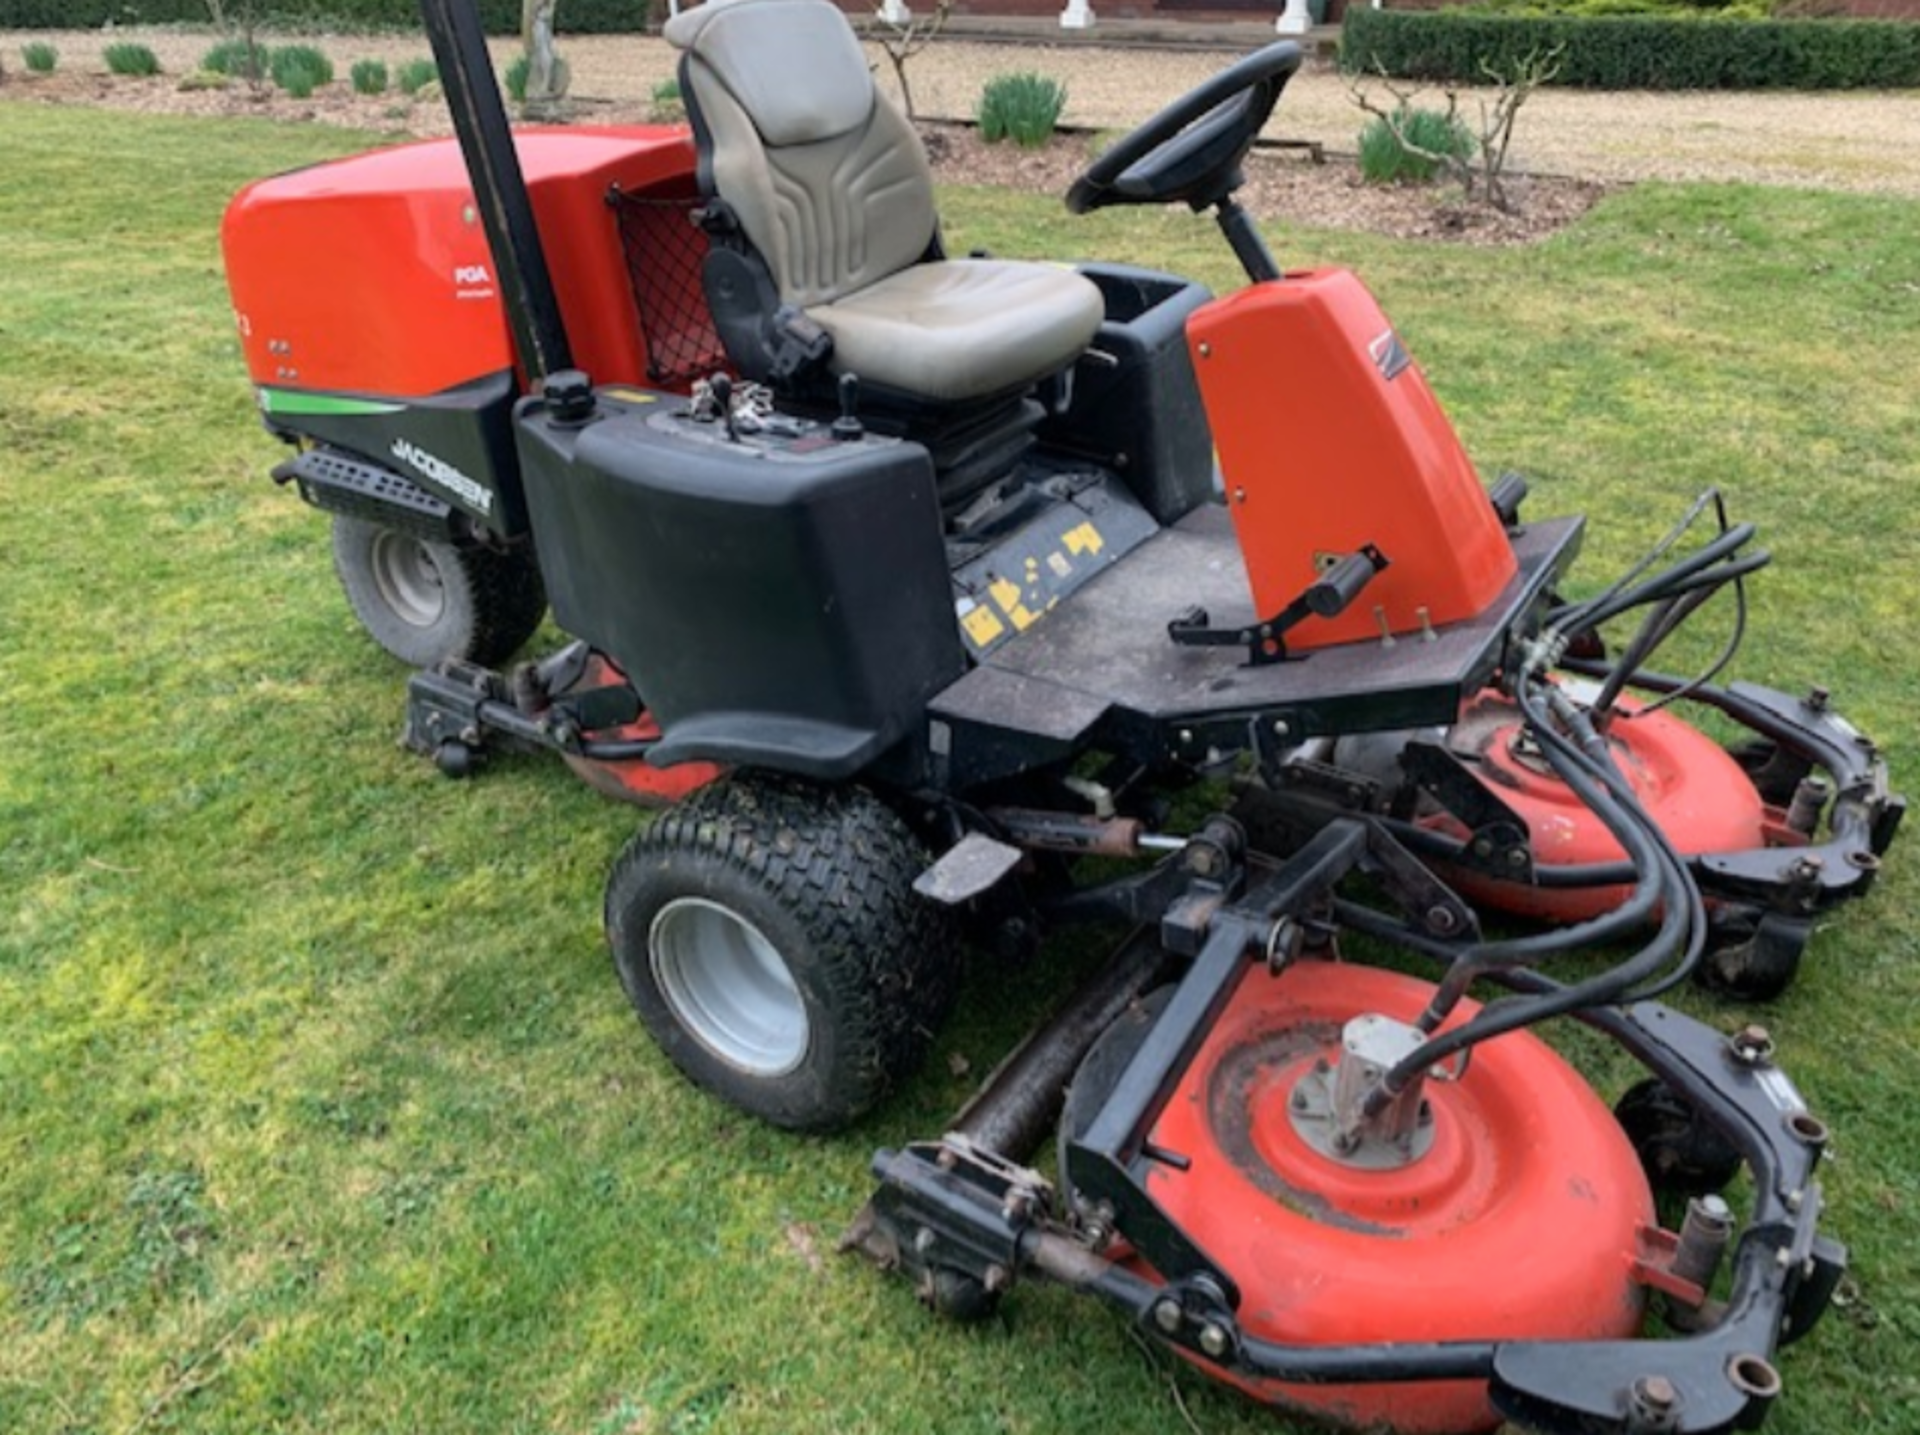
1012	601
1084	539
982	626
631	396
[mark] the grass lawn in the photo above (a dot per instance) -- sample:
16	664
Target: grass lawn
320	1108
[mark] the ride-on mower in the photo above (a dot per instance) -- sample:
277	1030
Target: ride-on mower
911	584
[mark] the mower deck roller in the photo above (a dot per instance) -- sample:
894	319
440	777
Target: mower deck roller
906	582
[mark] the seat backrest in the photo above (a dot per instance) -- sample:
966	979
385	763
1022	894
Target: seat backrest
828	181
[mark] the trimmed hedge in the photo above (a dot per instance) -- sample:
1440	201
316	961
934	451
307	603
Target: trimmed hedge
1668	9
1637	53
501	17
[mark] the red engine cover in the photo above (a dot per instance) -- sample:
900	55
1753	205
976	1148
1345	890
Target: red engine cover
371	275
1521	1221
1329	438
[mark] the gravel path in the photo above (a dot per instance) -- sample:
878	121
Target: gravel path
1857	141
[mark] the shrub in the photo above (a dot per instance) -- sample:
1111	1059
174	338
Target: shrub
369	77
300	70
500	17
40	57
517	74
1637	52
415	76
291	62
1023	107
1385	159
239	59
668	107
126	58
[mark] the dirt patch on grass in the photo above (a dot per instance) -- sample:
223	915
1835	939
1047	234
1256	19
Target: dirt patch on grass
1863	141
1280	183
1289	184
334	104
1571	146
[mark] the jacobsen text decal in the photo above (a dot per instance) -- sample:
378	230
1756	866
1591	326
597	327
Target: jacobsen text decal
439	471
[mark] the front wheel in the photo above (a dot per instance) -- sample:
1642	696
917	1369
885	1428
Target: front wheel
768	935
425	601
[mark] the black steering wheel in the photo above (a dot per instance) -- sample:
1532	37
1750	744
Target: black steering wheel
1191	150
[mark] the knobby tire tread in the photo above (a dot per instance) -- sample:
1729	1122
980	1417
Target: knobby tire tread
501	594
842	864
509	600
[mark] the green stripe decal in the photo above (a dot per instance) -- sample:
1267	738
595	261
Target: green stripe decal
290	401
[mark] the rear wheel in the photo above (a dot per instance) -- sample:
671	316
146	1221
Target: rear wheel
768	935
425	601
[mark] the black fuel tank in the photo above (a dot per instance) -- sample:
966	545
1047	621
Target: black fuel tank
780	598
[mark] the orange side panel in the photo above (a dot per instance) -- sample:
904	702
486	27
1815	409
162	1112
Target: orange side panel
371	275
1329	439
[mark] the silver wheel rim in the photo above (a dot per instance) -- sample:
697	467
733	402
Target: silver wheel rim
728	986
408	579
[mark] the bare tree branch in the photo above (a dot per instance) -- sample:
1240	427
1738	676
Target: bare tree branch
242	27
900	41
1484	166
1516	82
1455	165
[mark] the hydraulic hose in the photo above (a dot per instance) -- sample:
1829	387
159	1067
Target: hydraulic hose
1630	827
1650	891
1587	768
1453	849
1573	745
1673	535
1688	572
1660	624
1712	581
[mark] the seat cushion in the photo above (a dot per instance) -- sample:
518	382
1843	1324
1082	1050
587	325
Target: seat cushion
962	328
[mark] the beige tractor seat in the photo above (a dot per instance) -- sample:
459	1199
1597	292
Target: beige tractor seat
962	328
829	188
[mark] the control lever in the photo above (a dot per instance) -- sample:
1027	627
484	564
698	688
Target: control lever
1507	494
1330	594
848	428
722	389
1334	590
